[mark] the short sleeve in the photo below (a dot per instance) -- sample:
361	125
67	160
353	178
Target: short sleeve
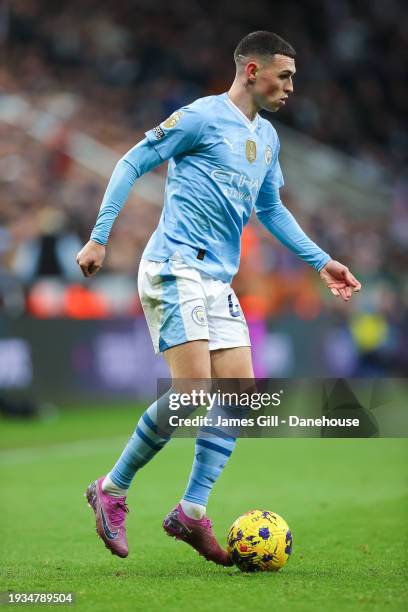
177	134
273	181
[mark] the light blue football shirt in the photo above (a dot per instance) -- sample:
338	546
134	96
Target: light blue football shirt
221	165
218	162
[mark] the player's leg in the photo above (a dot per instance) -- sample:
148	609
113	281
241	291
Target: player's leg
107	495
170	293
190	360
214	445
231	359
167	301
187	521
233	362
230	353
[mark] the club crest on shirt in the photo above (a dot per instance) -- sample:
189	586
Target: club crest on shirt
198	315
172	120
268	155
250	151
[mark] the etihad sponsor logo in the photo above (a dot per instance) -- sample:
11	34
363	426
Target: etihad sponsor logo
236	179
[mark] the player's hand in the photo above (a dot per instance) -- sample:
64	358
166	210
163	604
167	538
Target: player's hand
90	258
339	280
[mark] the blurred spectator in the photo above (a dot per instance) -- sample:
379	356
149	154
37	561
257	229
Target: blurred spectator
115	69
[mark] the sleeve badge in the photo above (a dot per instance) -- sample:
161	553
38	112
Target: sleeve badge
172	120
158	132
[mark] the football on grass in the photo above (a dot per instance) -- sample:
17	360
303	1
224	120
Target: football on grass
259	541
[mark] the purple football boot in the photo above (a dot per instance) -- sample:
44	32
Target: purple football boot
110	513
197	533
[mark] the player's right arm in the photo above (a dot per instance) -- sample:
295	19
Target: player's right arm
137	161
178	134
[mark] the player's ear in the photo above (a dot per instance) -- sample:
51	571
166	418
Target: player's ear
251	70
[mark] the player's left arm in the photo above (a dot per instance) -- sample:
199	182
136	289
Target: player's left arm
282	224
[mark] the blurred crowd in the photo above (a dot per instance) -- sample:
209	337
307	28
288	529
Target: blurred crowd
112	70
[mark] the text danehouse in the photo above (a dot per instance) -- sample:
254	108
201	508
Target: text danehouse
261	421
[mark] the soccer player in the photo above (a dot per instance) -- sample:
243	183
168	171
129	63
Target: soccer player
223	162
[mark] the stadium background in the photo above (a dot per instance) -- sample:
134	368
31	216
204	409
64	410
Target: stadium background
80	81
77	92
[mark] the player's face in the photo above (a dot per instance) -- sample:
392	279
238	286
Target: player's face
274	83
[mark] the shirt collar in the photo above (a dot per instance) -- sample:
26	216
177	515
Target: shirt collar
252	125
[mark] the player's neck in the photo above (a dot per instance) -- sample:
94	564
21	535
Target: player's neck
243	100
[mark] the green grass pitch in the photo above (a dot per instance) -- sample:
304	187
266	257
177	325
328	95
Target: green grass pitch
345	501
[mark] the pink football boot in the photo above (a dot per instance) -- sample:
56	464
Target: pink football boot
110	513
197	533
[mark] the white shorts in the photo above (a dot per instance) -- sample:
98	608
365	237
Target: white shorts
181	304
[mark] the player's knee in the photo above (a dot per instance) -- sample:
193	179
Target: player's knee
190	360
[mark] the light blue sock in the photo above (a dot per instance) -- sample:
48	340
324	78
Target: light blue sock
212	451
144	444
